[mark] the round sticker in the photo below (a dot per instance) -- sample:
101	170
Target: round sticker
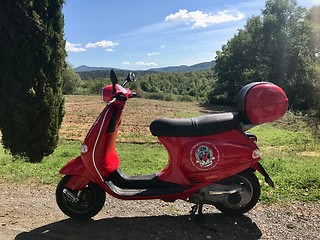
204	156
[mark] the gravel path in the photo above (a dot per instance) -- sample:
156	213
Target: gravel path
29	212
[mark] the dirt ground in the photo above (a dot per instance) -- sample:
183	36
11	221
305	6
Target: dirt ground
30	212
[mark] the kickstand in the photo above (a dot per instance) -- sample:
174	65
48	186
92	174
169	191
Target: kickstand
200	209
194	209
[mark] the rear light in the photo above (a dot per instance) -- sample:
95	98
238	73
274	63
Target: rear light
256	154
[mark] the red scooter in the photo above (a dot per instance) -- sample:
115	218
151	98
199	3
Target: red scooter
212	159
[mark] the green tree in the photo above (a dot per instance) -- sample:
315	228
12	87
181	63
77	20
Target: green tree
279	47
32	58
313	18
238	63
277	24
71	81
301	77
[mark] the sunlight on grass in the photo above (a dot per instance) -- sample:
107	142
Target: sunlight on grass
139	159
46	172
295	178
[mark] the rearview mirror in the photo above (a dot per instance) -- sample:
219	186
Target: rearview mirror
131	77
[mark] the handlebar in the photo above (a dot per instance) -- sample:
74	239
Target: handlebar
117	91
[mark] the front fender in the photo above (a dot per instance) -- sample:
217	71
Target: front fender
80	175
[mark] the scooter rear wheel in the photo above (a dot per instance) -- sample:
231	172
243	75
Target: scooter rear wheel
236	204
90	200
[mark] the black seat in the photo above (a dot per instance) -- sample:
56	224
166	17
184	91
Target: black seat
190	127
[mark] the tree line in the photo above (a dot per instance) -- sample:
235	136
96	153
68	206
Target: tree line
182	86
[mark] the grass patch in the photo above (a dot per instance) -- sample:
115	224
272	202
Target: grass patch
285	139
291	157
135	159
296	178
46	172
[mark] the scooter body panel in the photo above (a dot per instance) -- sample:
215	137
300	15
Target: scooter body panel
206	159
99	147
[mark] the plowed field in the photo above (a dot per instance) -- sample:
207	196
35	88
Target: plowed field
81	112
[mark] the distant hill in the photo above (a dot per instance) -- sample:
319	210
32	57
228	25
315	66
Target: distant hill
182	68
185	68
84	68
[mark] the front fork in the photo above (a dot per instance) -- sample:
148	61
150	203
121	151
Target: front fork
258	167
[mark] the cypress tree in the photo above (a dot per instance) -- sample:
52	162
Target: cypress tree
32	57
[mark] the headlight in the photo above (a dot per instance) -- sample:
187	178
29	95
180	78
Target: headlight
84	148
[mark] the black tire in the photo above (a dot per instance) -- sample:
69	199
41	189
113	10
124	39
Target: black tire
249	182
91	200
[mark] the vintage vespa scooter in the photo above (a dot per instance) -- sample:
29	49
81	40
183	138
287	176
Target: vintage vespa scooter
212	159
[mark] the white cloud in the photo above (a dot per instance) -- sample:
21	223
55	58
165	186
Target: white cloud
153	54
102	44
151	64
199	19
126	63
74	47
163	46
146	64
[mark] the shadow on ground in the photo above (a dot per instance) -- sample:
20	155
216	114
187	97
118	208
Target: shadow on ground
213	226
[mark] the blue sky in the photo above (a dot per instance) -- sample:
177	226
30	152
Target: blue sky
144	34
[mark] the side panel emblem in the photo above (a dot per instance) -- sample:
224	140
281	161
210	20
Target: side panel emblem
204	156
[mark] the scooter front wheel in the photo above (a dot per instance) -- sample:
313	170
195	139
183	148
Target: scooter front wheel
242	202
82	204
